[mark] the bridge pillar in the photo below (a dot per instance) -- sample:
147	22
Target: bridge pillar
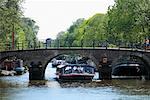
105	69
36	72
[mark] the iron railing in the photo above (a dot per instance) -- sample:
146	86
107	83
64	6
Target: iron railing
65	44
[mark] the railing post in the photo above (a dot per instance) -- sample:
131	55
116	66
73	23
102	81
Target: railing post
9	46
69	44
39	44
132	45
119	44
22	45
28	45
34	44
93	44
58	43
81	43
45	44
106	44
99	44
18	45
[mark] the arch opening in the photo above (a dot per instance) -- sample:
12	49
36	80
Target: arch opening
130	66
65	58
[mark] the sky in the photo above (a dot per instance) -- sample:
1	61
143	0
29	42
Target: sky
54	16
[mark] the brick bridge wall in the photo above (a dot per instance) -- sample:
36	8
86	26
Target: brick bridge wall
45	55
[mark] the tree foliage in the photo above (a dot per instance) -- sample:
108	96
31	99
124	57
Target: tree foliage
12	20
129	18
127	21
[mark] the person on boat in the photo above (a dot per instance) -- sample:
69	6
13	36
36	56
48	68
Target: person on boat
104	68
77	69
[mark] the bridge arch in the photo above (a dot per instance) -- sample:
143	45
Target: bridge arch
143	58
50	58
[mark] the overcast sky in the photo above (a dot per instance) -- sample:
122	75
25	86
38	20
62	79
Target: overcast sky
53	16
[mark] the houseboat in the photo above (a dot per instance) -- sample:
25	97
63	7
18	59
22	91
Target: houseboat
74	72
13	66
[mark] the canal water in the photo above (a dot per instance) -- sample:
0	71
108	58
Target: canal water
20	88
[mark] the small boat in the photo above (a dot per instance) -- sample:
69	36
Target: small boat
7	73
73	72
11	66
19	70
19	67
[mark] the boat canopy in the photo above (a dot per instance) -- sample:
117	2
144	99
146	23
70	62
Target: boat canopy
77	68
74	65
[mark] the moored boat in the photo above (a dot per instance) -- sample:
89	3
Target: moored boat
7	73
19	67
10	67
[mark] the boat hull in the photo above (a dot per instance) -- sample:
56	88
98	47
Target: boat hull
76	77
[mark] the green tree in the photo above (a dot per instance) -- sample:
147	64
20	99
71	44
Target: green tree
10	14
129	20
126	22
30	29
12	20
69	36
91	30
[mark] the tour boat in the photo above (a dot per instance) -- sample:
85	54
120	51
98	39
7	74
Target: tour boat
72	72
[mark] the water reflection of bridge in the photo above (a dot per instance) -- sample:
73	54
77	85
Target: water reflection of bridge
95	54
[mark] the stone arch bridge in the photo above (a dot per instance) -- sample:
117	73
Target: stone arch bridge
45	55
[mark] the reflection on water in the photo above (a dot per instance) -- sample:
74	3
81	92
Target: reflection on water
20	88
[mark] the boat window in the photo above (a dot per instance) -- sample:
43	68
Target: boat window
89	70
77	69
68	70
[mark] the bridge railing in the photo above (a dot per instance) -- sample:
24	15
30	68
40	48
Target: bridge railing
71	44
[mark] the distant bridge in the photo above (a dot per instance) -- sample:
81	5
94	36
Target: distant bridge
95	54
